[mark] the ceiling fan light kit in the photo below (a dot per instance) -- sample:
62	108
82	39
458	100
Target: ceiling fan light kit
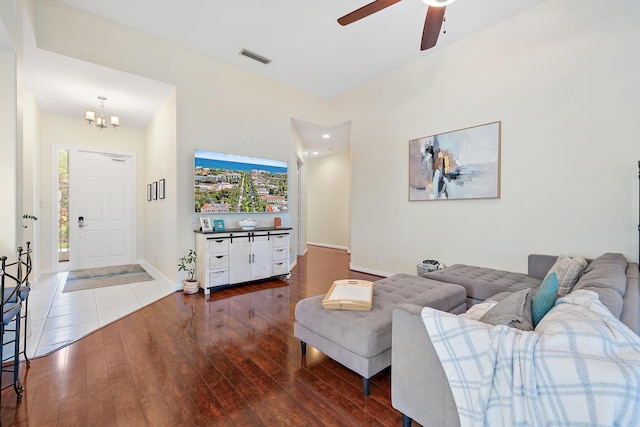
432	24
438	3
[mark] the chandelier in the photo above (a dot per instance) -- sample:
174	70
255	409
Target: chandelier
100	120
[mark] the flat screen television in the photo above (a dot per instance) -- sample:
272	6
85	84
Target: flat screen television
227	183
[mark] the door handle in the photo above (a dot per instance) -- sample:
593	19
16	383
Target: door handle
81	223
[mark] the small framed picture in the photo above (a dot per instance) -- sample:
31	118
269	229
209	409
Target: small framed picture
148	192
154	190
218	225
161	189
205	224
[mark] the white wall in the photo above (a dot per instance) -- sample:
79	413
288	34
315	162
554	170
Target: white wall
8	163
329	199
58	132
562	78
299	217
219	107
10	125
31	177
160	215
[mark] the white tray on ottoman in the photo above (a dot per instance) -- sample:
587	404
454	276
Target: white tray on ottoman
349	295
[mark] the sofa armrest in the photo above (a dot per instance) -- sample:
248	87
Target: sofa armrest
539	265
419	386
631	301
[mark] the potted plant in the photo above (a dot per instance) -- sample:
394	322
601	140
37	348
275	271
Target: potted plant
188	263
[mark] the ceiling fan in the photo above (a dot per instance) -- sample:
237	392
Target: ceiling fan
432	24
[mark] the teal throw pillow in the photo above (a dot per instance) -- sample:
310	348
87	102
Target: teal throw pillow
545	298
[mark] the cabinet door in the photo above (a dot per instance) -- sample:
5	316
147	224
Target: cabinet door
260	257
239	260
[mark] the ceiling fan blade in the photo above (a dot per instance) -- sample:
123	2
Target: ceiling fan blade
365	11
432	26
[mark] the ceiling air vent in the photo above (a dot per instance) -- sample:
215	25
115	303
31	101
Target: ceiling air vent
255	56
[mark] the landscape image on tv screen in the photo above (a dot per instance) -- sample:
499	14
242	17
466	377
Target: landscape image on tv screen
226	183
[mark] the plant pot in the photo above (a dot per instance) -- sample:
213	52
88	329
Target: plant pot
190	286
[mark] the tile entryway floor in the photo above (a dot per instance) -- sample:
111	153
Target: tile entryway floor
56	319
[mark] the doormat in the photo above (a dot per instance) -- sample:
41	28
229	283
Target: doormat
92	278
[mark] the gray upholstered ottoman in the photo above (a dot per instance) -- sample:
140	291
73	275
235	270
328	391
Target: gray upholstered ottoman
361	340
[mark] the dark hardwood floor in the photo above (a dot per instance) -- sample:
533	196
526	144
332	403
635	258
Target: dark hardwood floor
188	360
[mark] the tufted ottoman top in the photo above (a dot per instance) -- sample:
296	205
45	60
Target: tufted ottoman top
482	283
368	333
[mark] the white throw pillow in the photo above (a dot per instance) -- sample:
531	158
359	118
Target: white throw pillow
568	272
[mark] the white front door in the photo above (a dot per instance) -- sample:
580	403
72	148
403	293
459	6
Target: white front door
101	209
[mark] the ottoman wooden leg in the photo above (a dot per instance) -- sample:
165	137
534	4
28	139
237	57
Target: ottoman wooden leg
366	385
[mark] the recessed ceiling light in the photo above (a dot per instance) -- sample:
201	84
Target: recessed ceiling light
326	136
315	153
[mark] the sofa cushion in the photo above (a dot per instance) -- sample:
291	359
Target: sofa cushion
568	272
545	298
606	271
513	311
502	295
610	298
482	283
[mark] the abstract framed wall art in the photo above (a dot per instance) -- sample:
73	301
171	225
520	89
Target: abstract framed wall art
461	164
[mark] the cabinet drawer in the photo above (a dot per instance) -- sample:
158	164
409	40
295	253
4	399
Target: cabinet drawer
279	268
218	262
220	277
280	240
279	254
218	246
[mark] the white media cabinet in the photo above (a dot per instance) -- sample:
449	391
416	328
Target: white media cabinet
237	256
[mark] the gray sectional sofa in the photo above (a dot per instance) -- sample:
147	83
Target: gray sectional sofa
419	386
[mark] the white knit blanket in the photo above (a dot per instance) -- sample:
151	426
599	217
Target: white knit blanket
580	367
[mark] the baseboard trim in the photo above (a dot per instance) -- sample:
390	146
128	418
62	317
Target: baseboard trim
369	271
159	276
326	245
